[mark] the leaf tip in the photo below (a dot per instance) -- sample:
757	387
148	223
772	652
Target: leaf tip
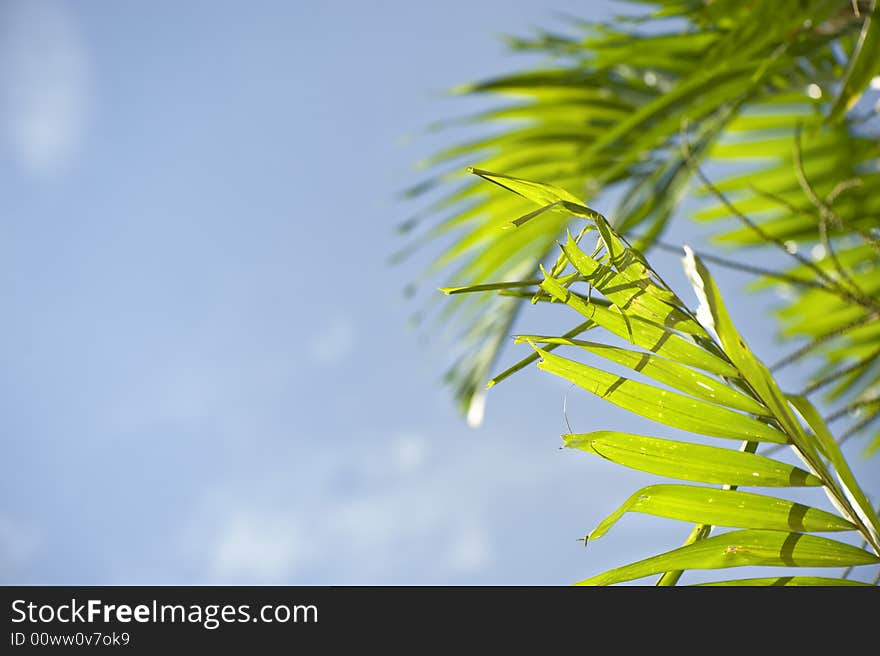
476	410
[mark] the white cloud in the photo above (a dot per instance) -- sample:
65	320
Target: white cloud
256	549
17	544
333	343
398	515
43	83
471	551
409	507
410	452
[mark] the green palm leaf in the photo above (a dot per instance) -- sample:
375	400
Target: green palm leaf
606	114
786	581
665	407
706	505
690	462
774	529
776	89
744	548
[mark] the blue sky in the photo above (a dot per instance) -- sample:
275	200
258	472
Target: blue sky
207	374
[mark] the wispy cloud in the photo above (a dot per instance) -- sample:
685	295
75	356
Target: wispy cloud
43	83
333	343
254	548
470	551
405	513
410	452
17	544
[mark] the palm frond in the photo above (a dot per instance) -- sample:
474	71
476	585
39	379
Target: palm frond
604	119
700	378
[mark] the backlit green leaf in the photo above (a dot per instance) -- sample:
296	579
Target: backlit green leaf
540	193
660	405
646	334
740	548
635	296
690	462
787	581
751	368
831	449
705	505
662	370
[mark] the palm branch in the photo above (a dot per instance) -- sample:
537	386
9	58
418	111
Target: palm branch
692	371
637	108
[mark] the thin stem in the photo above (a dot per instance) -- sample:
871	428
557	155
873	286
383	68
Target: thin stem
830	378
859	296
823	207
776	198
832	284
843	412
522	364
746	268
825	214
699	532
832	255
494	286
840	187
818	341
538	296
857	427
758	230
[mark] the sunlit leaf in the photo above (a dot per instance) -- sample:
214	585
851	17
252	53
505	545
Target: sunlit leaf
637	296
541	193
637	108
664	371
747	547
750	367
690	462
787	581
704	505
606	112
646	334
847	479
660	405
